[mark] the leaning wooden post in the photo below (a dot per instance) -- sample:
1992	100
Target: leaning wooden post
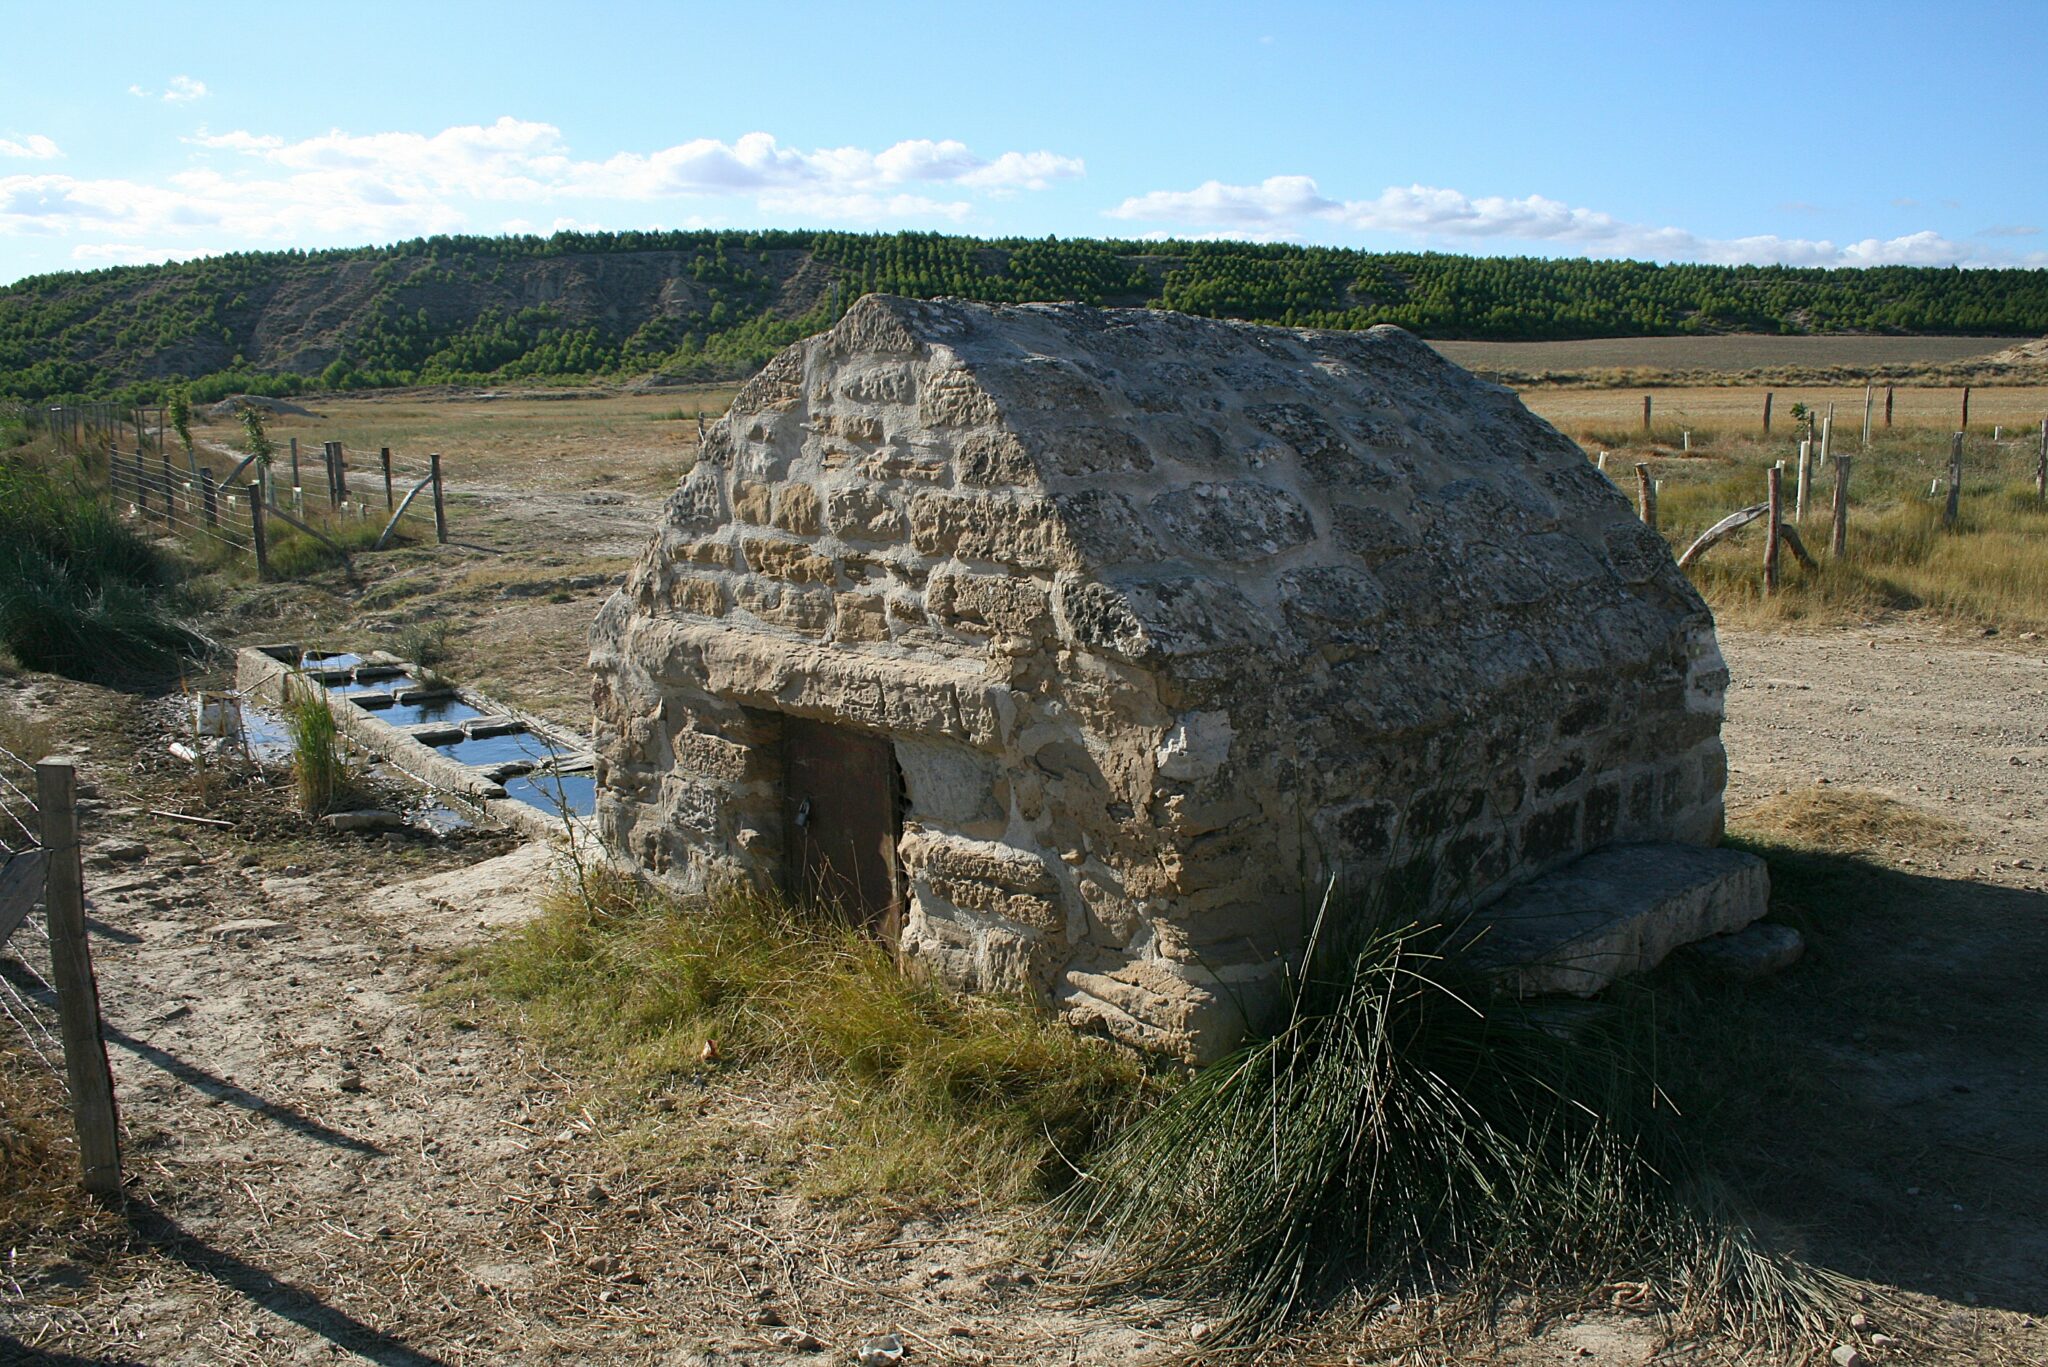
1966	408
327	459
206	492
1774	481
257	531
440	509
384	455
1767	412
78	996
1646	414
1805	481
1955	481
1646	496
1838	543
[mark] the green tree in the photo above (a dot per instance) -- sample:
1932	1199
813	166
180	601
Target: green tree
179	413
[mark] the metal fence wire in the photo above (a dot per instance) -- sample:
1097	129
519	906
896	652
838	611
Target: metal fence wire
26	996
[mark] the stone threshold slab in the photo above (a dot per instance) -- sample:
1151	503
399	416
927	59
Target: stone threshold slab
1612	913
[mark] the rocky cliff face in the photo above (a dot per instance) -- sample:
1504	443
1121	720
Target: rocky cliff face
1168	622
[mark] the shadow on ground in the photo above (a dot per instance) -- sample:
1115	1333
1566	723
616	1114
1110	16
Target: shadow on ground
1882	1107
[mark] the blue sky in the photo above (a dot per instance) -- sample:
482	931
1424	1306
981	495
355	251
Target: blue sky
1824	134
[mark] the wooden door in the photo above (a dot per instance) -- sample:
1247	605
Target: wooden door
842	812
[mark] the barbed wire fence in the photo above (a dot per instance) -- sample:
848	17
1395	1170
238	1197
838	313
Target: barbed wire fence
48	992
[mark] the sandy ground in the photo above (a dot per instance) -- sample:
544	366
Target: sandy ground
327	1166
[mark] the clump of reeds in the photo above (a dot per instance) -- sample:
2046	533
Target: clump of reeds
1405	1140
318	769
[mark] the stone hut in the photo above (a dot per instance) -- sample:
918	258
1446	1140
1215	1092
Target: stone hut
1076	649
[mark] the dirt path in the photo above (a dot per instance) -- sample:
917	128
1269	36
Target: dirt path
1958	730
327	1167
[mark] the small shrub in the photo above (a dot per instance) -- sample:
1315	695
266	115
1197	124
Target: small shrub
424	643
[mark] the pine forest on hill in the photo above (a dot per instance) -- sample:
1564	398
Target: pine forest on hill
715	305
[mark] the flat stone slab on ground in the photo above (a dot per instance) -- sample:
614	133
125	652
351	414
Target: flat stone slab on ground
1614	912
1755	952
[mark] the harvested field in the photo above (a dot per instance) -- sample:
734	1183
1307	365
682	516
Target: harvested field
1736	352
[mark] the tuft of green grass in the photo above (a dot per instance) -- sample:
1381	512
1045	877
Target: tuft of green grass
931	1095
318	769
80	593
1406	1139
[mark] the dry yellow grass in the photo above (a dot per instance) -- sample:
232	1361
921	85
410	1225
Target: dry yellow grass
636	440
1848	821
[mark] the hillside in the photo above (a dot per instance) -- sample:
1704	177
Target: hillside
705	305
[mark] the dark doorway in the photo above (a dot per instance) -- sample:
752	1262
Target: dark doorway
842	810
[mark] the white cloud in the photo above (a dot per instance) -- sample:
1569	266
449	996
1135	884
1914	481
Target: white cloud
1294	206
134	254
260	189
179	90
33	146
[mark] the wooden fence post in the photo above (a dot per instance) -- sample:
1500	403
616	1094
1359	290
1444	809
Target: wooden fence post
1827	436
1887	405
340	472
1869	401
384	455
141	490
1767	412
78	996
1966	408
257	530
440	509
1839	541
206	492
1646	496
1955	481
2041	466
1646	414
295	467
170	501
1774	481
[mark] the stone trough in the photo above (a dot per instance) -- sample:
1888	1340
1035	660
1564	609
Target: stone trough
517	768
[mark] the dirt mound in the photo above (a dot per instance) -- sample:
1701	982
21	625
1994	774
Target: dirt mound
2026	353
235	403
